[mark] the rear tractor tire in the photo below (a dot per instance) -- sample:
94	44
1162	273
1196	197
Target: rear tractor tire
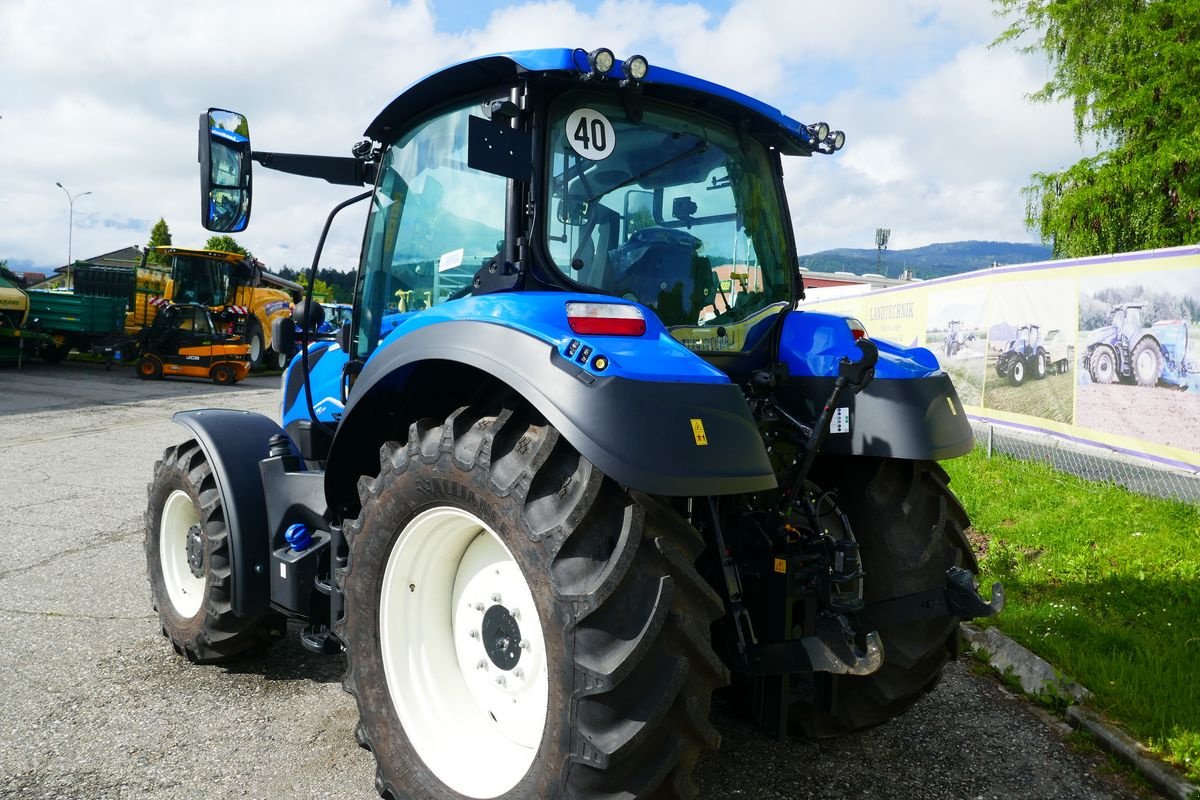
1147	362
1041	363
187	559
519	626
909	527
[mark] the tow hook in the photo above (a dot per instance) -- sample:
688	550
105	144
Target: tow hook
963	600
957	598
834	649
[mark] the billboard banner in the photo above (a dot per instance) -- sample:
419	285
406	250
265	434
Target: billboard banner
1103	351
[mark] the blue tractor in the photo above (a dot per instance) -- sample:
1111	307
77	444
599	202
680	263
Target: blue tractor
575	462
1127	352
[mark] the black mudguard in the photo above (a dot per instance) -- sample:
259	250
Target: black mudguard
234	442
915	418
640	433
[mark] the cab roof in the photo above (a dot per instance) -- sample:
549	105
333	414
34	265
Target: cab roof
766	123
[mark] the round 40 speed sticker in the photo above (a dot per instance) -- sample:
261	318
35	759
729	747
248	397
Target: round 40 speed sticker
591	134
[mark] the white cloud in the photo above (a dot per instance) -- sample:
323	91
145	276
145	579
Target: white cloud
105	98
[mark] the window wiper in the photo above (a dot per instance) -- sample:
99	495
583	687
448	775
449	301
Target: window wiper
699	147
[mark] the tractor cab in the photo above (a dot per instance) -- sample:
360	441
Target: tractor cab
562	170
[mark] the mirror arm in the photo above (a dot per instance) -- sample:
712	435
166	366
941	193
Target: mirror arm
334	169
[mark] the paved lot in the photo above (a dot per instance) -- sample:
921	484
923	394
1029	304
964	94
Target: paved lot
94	704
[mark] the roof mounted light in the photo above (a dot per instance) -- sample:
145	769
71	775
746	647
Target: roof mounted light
837	140
819	132
600	61
635	68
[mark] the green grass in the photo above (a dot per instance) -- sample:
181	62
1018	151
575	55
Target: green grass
1101	582
1048	398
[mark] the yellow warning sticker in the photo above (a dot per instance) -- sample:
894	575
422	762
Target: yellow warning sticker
781	565
698	432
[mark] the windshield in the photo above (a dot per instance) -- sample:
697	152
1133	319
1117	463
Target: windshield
673	211
201	280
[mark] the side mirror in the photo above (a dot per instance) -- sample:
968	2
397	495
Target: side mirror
283	336
308	318
345	341
224	171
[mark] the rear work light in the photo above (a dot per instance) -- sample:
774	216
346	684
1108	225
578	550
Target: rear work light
605	319
857	329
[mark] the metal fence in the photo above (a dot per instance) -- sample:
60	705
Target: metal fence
1093	463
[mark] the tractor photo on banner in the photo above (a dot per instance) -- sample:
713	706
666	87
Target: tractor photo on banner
1139	340
1102	350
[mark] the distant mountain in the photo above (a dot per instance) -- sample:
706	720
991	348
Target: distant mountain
930	261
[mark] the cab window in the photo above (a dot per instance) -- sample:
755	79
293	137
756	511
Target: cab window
434	222
673	210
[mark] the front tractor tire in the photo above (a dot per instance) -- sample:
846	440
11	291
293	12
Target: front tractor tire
187	560
1016	371
909	527
1102	365
519	626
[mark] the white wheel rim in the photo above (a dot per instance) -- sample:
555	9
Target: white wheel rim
1018	371
255	347
478	735
184	589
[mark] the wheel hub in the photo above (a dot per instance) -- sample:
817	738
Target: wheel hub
501	636
195	551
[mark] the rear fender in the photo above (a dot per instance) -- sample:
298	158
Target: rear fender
678	438
909	411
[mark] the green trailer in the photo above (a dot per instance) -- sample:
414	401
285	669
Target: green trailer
89	318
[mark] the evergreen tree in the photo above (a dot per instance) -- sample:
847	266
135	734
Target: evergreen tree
160	236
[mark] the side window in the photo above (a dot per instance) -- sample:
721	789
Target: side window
434	222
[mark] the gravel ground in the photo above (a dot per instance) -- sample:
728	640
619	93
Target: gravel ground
96	705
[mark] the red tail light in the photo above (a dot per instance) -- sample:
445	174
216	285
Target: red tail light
605	319
857	329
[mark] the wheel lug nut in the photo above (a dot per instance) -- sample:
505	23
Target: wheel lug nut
496	597
524	645
518	673
481	664
516	613
500	680
479	606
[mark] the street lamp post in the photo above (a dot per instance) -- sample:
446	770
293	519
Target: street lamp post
70	223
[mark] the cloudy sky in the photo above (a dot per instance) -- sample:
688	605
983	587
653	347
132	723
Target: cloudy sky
105	98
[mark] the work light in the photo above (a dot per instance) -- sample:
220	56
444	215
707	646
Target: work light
635	68
601	60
